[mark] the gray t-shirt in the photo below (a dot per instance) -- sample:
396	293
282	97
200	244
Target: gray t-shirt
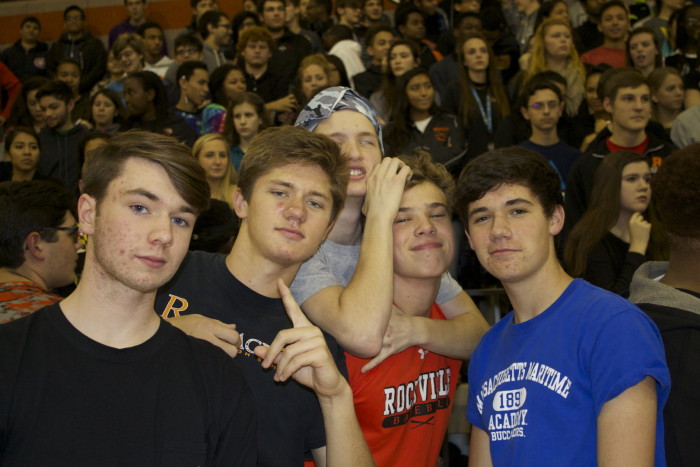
334	264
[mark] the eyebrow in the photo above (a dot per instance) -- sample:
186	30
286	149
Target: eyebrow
294	187
429	206
510	202
151	196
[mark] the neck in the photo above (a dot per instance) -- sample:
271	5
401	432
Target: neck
646	71
26	45
544	137
245	142
556	64
151	58
211	42
478	77
22	175
23	273
149	115
415	296
66	126
108	311
215	184
137	22
418	115
625	138
75	35
185	104
256	272
550	281
615	43
621	229
256	70
666	116
276	34
294	26
348	227
683	270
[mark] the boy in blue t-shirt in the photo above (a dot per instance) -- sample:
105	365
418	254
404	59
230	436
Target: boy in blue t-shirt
575	375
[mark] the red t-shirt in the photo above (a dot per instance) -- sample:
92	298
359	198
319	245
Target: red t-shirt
602	54
639	149
404	404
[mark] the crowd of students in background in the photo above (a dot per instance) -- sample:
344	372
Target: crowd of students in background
570	80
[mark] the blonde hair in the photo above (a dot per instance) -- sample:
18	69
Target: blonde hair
228	184
574	73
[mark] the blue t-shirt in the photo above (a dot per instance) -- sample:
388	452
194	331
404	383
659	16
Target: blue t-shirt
538	387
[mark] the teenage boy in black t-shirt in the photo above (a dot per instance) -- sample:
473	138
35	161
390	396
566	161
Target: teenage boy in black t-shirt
99	378
291	188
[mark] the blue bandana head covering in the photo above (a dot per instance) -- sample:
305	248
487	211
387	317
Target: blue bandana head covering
330	100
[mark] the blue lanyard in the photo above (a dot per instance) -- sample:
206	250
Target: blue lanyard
486	116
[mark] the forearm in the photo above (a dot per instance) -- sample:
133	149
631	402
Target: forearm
345	444
365	304
455	338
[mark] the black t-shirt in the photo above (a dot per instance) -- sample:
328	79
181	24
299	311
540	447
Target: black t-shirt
289	416
66	400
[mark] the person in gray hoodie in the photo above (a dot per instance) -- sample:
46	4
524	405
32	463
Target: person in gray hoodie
669	292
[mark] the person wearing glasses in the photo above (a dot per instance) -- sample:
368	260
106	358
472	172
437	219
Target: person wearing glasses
78	44
215	29
542	105
39	239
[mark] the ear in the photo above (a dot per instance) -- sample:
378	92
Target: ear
87	211
240	205
402	30
469	238
607	105
151	94
525	113
70	105
556	222
32	246
370	50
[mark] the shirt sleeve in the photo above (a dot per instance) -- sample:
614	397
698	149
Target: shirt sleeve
634	341
313	276
449	289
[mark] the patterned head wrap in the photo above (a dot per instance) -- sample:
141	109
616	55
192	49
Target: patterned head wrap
330	100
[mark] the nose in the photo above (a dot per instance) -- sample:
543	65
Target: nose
425	226
351	149
500	227
295	209
162	230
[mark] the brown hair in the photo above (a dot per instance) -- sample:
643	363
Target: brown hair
425	170
254	34
279	146
107	161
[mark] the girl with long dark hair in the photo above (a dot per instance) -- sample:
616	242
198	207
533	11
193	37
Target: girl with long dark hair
619	230
478	98
417	122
